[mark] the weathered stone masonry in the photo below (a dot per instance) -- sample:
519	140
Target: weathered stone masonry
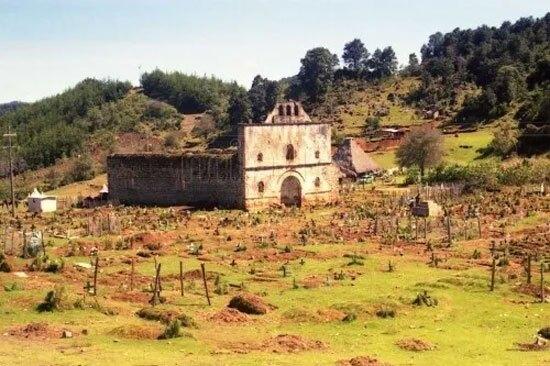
286	159
166	180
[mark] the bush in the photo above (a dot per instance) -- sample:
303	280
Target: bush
505	139
172	141
81	169
56	300
4	264
385	312
173	330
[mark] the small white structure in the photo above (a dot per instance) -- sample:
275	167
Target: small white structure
38	202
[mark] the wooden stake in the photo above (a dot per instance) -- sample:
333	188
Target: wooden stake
205	284
132	276
479	226
95	274
493	270
528	268
449	234
181	278
542	281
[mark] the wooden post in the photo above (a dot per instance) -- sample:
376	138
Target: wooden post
181	278
449	234
205	284
155	285
43	242
132	275
95	274
376	226
416	227
479	226
528	268
493	270
542	281
425	227
465	229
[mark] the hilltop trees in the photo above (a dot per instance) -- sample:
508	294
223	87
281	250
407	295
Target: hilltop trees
383	63
317	72
355	56
263	95
52	127
421	148
239	110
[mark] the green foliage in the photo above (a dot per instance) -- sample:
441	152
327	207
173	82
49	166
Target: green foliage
355	55
500	60
383	63
81	169
490	175
505	139
316	73
51	128
372	123
422	148
239	107
263	96
172	330
56	300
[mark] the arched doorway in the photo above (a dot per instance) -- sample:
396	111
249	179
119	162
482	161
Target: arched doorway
291	192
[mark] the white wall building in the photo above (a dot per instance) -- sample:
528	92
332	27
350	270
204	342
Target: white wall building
39	202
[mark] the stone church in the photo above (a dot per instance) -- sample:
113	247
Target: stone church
286	159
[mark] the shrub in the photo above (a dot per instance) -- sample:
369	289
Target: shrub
425	299
385	312
81	169
56	300
4	264
173	330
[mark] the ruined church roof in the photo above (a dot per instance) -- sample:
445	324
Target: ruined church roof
287	112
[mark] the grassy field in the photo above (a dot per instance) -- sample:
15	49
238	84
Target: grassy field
335	282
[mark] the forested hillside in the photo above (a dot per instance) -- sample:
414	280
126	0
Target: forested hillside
469	77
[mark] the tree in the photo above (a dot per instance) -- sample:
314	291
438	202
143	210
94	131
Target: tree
383	63
422	148
509	84
413	68
355	55
239	106
505	139
263	95
317	72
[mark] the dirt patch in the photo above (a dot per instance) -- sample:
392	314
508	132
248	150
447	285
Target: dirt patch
229	315
538	345
136	332
531	289
362	361
415	345
302	315
36	330
287	343
249	304
135	297
282	343
312	282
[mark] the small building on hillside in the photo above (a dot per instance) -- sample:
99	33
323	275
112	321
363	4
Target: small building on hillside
39	202
353	161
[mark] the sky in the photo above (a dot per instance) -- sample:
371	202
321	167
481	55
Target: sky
46	46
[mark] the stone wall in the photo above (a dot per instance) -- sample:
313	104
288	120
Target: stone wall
166	180
266	164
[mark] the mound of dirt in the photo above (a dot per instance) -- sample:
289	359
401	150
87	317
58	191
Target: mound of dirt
415	345
362	361
540	344
287	343
166	316
229	315
302	315
249	304
531	289
312	282
37	330
136	332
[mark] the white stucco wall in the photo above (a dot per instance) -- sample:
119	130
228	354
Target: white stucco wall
271	141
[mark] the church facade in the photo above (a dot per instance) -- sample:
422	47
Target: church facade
285	159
